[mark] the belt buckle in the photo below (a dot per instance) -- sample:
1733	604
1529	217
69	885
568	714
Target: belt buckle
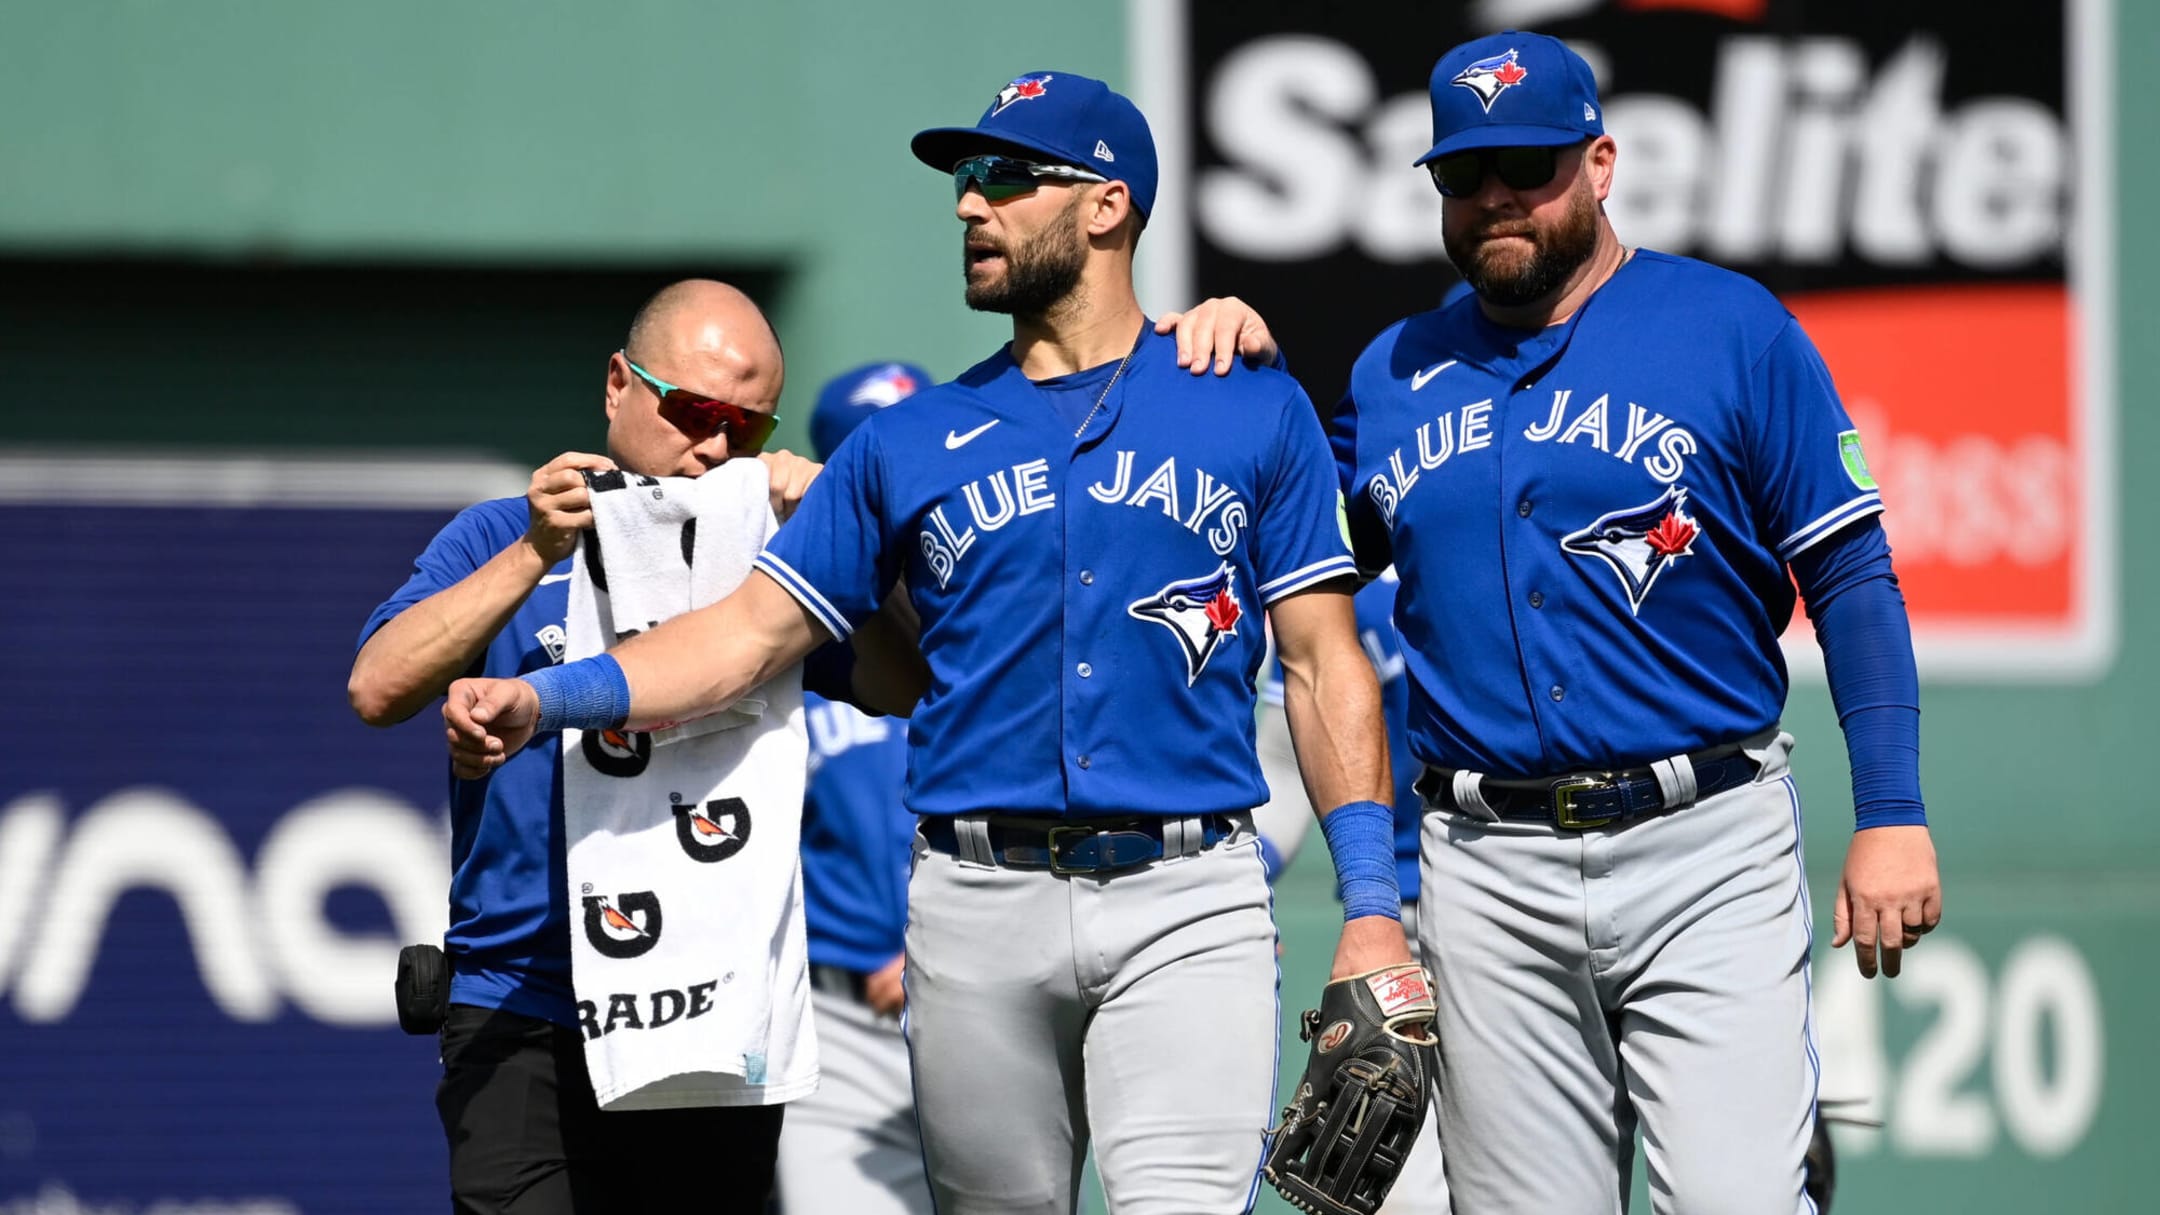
1066	829
1563	799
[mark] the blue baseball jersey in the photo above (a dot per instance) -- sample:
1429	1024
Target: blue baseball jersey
1087	603
509	936
856	836
1375	606
1592	521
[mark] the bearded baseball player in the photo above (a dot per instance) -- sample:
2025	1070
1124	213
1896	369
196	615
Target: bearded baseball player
1089	535
1599	480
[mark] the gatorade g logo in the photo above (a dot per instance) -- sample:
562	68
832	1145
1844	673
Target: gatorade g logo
613	928
617	752
714	832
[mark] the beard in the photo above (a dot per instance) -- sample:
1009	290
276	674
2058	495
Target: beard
1512	281
1040	271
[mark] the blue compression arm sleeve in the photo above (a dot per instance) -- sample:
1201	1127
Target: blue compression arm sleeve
1859	613
1361	838
590	694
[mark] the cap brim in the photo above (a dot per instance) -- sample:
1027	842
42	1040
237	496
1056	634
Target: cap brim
1502	136
943	147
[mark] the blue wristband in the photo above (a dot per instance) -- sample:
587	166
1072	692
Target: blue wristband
590	694
1361	838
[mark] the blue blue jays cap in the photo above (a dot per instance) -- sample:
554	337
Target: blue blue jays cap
1512	90
851	397
1060	117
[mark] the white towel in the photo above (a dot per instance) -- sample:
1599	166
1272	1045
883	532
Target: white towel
668	546
687	952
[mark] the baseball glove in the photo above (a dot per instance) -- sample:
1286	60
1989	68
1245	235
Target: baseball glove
1361	1102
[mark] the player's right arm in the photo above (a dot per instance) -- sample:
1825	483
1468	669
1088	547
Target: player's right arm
696	664
413	657
834	552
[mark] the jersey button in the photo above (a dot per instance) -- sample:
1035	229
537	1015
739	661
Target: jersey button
1087	577
1082	761
1085	670
1523	508
1558	691
1537	599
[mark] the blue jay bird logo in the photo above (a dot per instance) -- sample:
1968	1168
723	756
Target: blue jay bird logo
1199	612
1639	543
1489	78
1027	88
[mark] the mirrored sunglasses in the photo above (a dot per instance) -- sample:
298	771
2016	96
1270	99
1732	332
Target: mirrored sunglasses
1003	177
702	417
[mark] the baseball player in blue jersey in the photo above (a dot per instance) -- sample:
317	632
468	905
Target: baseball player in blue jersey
1599	481
1087	533
853	1145
490	596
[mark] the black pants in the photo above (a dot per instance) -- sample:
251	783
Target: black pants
527	1136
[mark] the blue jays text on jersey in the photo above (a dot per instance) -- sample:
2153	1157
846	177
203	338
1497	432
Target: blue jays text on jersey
1596	516
1086	603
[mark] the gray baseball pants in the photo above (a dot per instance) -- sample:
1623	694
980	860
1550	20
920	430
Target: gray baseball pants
853	1145
1655	972
1137	1008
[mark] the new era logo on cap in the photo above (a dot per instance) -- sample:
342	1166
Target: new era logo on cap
1102	151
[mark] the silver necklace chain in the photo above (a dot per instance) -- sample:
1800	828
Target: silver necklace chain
1104	395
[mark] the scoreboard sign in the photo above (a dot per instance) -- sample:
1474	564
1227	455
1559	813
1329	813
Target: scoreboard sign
1928	190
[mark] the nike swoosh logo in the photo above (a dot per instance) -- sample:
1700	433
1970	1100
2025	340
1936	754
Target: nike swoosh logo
1418	379
954	442
554	578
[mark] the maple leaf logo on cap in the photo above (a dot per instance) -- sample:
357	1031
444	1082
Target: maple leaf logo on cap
1027	88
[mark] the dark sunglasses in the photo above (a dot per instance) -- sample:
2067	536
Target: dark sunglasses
1462	174
701	418
1003	177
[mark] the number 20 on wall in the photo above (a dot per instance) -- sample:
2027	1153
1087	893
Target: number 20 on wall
2021	1051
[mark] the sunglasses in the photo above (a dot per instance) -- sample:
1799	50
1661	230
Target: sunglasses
1462	174
1003	177
701	418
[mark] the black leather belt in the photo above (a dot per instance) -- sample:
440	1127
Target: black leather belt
840	981
1089	845
1578	801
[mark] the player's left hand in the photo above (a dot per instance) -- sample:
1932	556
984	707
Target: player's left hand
884	989
1889	897
1369	943
487	721
1219	329
791	475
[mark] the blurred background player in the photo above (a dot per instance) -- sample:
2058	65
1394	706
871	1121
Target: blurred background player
854	1144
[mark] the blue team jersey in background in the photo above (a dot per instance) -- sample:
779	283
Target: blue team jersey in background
509	937
1090	607
856	836
1376	634
1592	521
